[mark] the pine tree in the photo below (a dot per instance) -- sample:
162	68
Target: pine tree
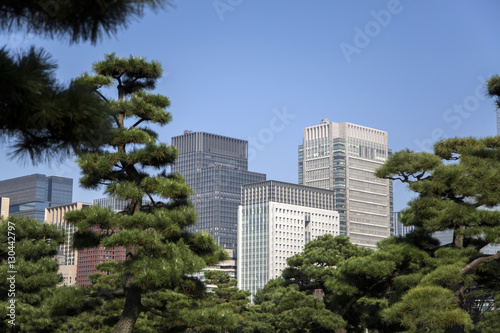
355	281
76	20
44	119
457	189
223	308
283	307
161	254
28	278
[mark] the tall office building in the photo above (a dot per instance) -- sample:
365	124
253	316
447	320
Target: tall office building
67	255
88	258
30	195
215	167
343	157
399	228
275	221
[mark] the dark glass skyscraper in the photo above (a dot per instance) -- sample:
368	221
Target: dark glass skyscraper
215	167
30	195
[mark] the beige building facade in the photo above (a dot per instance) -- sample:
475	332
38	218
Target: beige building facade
4	207
67	256
343	157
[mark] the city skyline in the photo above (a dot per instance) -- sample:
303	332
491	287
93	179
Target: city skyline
263	71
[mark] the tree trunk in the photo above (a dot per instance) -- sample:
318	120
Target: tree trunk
133	305
131	311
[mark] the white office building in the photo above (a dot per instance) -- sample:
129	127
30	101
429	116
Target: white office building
275	221
343	157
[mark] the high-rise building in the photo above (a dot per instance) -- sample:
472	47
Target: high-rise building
343	157
275	221
30	195
67	256
215	167
89	257
399	228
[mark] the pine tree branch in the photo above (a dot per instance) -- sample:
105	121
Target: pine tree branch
102	96
137	123
480	260
151	198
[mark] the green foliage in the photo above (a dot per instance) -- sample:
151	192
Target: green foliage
491	322
357	283
222	309
493	86
407	165
287	309
161	253
78	20
455	284
32	279
431	308
45	119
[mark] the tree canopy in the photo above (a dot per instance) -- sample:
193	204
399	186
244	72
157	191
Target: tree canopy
161	253
29	277
39	117
76	20
457	189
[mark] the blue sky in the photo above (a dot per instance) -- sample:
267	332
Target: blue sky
263	70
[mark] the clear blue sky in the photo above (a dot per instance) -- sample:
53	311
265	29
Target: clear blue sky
415	69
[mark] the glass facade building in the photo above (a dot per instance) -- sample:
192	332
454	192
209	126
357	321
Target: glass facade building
215	167
343	157
30	195
275	221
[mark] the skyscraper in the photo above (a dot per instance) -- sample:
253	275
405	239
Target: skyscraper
275	221
343	157
215	167
30	195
